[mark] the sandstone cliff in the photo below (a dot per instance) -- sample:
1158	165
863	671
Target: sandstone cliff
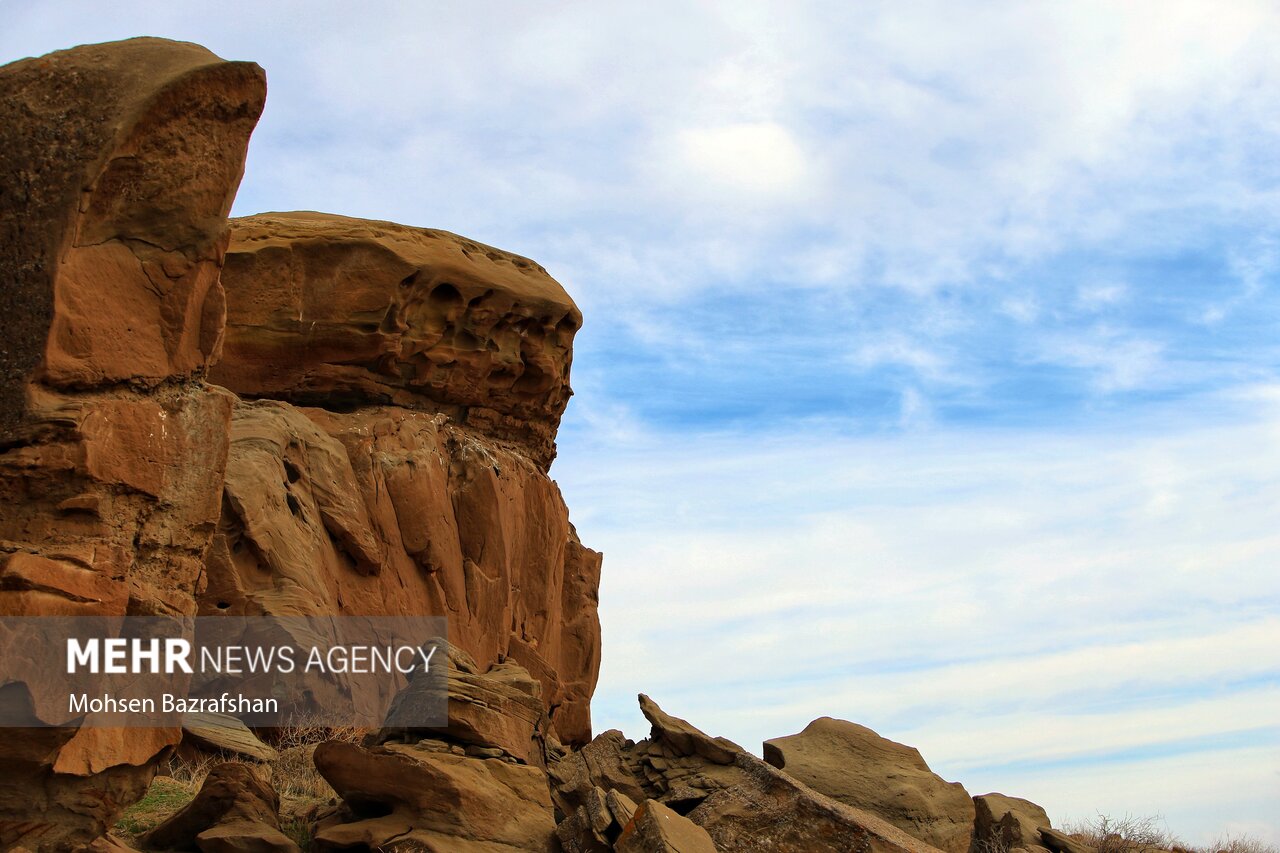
118	164
399	392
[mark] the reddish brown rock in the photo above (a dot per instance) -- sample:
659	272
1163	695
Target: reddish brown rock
500	709
236	810
325	309
856	766
390	511
654	828
118	164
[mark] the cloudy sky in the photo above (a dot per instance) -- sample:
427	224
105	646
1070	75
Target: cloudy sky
931	373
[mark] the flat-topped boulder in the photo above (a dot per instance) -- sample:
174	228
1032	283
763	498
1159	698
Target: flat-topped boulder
332	311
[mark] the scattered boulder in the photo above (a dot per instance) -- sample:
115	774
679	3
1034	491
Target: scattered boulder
1060	842
742	802
856	766
236	811
654	828
1008	823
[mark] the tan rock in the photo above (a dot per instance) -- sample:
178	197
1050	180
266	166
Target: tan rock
409	795
499	709
325	309
685	738
605	763
742	802
1008	822
223	733
654	828
854	765
1060	842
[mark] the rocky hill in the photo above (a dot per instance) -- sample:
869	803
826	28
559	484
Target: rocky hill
299	414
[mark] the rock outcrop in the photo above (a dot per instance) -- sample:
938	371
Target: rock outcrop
439	800
327	310
401	390
409	495
856	766
739	800
118	164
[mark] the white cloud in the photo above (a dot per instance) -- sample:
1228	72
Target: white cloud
755	159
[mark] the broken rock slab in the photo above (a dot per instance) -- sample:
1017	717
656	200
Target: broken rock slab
415	794
654	828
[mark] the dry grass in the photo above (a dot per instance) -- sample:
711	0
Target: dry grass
293	774
294	770
163	798
1148	835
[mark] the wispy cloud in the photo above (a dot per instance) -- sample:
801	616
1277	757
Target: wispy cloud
1080	601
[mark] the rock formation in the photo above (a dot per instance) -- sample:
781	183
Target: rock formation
236	810
1008	823
420	485
739	800
854	765
118	164
401	392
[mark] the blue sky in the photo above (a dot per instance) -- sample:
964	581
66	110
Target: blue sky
930	374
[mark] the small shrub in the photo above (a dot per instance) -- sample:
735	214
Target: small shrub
1123	835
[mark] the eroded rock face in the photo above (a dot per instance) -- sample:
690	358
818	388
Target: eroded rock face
433	371
417	484
398	512
327	310
854	765
118	164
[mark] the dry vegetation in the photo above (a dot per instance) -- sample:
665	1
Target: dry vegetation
1130	834
293	775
